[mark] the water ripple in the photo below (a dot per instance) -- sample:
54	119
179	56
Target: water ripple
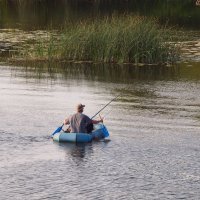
153	152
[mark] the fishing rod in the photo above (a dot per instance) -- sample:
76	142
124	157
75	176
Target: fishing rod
60	128
106	114
106	105
109	103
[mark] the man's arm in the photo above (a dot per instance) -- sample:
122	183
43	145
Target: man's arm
97	121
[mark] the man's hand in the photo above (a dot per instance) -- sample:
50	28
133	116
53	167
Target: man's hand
101	118
66	121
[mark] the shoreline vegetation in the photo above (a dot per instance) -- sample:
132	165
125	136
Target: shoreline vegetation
121	40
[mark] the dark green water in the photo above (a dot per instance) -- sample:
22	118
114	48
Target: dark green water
42	14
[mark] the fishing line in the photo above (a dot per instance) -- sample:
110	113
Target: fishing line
110	102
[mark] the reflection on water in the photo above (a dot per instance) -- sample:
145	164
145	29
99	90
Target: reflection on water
81	150
191	50
106	73
39	14
154	129
76	150
100	72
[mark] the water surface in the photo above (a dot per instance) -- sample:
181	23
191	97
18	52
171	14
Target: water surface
154	130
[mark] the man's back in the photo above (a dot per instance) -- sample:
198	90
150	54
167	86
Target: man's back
78	123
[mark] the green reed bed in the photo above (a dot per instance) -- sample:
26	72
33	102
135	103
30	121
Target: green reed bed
119	40
115	40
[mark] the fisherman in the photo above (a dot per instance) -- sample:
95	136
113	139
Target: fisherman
80	123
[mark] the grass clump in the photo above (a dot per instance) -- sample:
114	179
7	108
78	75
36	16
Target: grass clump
124	39
119	40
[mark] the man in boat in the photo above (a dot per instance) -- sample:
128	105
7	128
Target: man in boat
80	123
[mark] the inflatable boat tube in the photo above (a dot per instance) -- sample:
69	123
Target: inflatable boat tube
99	132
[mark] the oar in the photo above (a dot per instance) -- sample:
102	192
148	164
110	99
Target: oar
57	130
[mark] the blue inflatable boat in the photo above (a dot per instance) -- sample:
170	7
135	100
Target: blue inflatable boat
99	132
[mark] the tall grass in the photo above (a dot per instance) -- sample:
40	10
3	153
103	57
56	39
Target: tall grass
124	39
120	40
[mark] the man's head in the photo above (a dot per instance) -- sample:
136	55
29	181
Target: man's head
80	107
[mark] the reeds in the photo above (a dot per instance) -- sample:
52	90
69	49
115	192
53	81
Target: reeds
126	39
119	40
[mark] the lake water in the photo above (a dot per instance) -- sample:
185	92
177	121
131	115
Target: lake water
154	152
154	126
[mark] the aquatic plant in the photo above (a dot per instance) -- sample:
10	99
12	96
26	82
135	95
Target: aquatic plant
125	39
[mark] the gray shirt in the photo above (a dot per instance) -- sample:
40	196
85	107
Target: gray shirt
78	123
